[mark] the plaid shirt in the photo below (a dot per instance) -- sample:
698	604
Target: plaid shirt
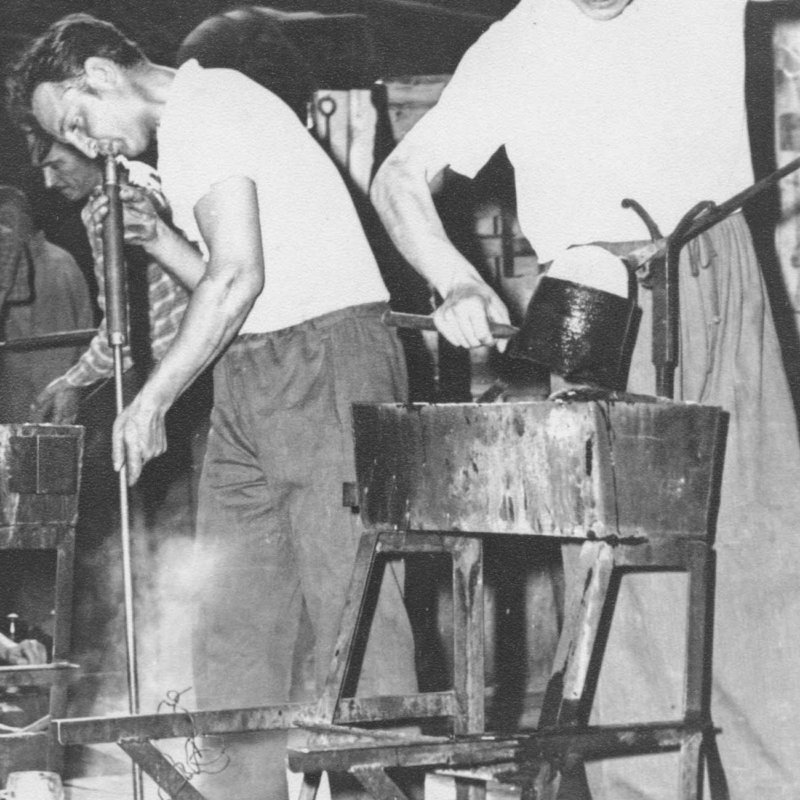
167	302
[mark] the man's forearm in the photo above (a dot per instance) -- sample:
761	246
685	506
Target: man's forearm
177	256
216	311
403	199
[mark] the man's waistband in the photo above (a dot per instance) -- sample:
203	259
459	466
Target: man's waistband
363	310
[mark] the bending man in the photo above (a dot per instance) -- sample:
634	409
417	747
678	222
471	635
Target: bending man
287	298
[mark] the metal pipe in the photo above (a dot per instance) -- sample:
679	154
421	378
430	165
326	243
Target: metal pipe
55	339
117	328
714	213
113	259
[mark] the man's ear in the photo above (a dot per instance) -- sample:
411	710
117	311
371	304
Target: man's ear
101	73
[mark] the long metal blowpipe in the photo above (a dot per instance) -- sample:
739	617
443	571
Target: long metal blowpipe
117	325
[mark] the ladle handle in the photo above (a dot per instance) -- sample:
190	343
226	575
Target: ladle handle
424	322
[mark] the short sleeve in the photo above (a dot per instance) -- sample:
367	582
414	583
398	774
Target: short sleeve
212	148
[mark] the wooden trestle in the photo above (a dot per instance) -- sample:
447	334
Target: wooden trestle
629	485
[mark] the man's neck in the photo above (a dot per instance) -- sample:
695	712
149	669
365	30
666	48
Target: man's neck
153	83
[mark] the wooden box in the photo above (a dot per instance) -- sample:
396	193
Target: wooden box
39	475
581	469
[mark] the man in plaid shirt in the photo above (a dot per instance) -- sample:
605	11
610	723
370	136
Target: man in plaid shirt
75	176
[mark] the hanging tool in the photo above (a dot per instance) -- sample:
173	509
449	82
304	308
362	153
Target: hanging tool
656	264
704	216
117	329
424	322
327	107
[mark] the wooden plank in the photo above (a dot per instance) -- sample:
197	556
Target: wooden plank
690	768
378	783
351	620
575	744
388	708
697	676
564	702
95	730
160	769
468	634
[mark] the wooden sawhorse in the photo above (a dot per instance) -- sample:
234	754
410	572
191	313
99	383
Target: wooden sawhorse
631	484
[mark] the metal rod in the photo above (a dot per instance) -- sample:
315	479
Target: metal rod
117	328
55	339
425	322
716	213
113	259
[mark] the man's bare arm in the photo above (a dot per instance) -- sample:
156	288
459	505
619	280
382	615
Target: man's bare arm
402	193
144	226
229	223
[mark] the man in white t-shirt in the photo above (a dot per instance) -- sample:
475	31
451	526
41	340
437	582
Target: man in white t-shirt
288	299
596	101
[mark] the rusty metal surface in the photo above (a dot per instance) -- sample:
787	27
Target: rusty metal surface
598	469
39	474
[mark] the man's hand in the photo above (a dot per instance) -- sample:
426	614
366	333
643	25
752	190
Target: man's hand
28	651
463	318
56	404
140	216
139	435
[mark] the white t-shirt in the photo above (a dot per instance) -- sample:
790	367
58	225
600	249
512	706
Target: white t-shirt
648	105
218	124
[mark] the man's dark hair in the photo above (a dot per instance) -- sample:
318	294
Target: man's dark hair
59	54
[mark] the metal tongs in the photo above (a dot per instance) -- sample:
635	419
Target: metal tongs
656	265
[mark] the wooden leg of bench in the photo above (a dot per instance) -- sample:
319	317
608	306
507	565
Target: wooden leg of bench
565	700
690	768
378	783
563	703
152	761
468	667
309	786
352	627
470	790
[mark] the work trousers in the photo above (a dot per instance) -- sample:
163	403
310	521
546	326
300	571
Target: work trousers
275	542
729	357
